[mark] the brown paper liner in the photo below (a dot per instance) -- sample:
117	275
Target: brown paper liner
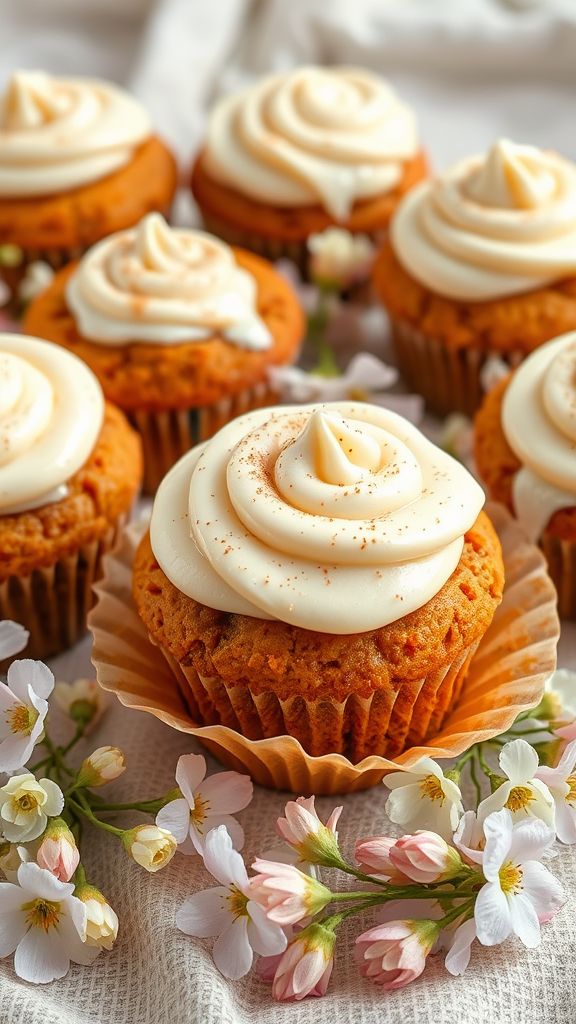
166	436
561	558
475	700
53	602
448	379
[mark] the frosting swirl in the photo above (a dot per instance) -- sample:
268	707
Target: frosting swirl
51	412
314	135
298	514
494	225
163	286
60	133
539	422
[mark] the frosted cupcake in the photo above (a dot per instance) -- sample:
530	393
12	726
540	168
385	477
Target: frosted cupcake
70	469
78	160
179	328
525	448
304	150
480	262
320	571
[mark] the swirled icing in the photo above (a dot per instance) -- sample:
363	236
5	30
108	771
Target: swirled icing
51	412
494	225
314	135
338	518
163	286
539	422
57	134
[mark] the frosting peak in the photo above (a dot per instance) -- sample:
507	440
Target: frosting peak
58	134
313	135
51	411
494	225
298	514
164	286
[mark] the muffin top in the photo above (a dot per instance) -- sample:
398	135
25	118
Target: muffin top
495	225
164	286
51	414
58	134
539	424
337	518
328	136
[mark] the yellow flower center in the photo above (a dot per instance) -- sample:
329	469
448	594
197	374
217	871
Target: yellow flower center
237	902
43	914
26	802
571	795
519	798
199	812
510	878
358	395
22	718
431	789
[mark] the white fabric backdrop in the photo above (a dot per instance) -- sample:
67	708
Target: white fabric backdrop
474	69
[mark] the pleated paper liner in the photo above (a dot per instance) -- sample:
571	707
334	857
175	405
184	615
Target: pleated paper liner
53	602
561	559
505	676
449	379
166	436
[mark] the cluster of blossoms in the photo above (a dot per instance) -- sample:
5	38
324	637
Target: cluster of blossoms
457	876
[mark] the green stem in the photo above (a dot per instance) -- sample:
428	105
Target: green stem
56	757
468	755
474	778
76	737
455	913
83	807
146	806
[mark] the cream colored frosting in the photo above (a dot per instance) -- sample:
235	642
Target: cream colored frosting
314	135
338	518
494	225
163	286
57	134
51	412
539	421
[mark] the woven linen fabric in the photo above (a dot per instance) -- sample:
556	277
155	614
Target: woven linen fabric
156	975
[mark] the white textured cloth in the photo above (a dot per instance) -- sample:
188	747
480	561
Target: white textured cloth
474	69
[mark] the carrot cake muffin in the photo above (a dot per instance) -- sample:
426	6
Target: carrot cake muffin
70	469
78	160
179	328
525	444
480	262
304	150
322	571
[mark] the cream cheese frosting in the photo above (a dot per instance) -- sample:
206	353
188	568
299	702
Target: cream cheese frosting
495	225
338	518
539	422
161	285
51	413
58	134
314	135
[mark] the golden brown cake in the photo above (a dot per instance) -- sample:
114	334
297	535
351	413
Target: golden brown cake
356	652
479	263
64	490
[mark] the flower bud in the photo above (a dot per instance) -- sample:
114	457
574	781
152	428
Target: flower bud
338	259
394	954
101	920
425	858
305	967
58	852
372	855
104	765
151	847
82	700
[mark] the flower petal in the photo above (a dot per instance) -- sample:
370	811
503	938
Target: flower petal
543	890
492	915
234	829
13	926
519	761
42	883
530	839
227	792
566	822
265	937
222	860
175	817
232	951
524	920
498	832
13	638
27	672
205	913
458	956
41	957
190	771
55	798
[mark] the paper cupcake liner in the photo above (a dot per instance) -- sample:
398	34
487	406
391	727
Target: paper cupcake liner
505	676
166	436
561	558
448	379
53	602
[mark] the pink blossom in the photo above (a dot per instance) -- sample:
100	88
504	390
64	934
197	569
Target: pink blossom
58	852
314	841
394	954
287	894
306	965
425	858
372	854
